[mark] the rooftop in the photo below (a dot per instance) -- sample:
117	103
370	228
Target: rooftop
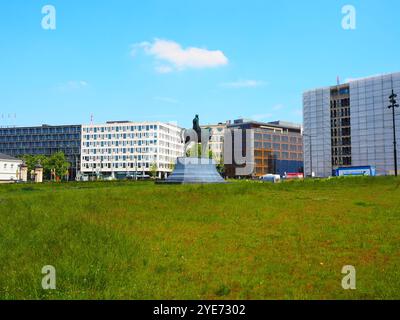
275	124
7	157
350	80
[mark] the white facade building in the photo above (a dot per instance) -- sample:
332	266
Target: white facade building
216	143
350	125
119	149
9	168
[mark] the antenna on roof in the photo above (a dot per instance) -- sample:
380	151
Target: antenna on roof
338	80
91	118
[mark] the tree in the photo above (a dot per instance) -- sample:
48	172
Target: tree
192	151
30	161
210	154
58	165
153	169
221	166
34	160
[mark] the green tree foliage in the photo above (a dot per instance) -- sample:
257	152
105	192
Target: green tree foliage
192	152
153	170
221	166
56	164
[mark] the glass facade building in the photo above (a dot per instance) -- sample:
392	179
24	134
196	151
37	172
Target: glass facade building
43	140
350	125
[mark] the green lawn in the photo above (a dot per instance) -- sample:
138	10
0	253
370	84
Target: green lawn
127	240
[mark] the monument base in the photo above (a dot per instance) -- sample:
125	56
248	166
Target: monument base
194	171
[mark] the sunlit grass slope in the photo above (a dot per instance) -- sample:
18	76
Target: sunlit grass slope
127	240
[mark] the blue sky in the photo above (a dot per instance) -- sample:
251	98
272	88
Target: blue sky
170	59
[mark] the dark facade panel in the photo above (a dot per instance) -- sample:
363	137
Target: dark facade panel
43	140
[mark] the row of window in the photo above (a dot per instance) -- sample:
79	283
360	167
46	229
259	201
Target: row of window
278	146
341	132
131	136
345	122
39	138
278	155
340	103
277	138
119	158
341	151
341	161
48	144
132	166
128	128
117	143
10	166
119	136
119	128
39	130
111	151
35	151
341	141
340	91
344	112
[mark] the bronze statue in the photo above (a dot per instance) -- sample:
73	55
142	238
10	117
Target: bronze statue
196	127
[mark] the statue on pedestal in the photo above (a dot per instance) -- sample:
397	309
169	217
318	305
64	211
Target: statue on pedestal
196	128
194	169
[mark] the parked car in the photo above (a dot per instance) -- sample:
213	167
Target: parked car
271	178
293	176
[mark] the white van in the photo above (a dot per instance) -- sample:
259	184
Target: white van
271	178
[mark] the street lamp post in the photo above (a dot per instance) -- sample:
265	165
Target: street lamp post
393	106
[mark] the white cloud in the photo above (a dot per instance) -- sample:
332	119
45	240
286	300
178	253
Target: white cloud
174	57
244	84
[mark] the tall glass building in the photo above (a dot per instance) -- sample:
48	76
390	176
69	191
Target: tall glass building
43	140
350	125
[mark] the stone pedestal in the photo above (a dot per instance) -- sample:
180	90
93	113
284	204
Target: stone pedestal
23	172
194	171
38	174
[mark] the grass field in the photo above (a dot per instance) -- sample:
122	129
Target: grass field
127	240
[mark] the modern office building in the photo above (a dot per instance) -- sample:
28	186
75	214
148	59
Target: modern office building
43	140
276	147
350	125
123	148
216	143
